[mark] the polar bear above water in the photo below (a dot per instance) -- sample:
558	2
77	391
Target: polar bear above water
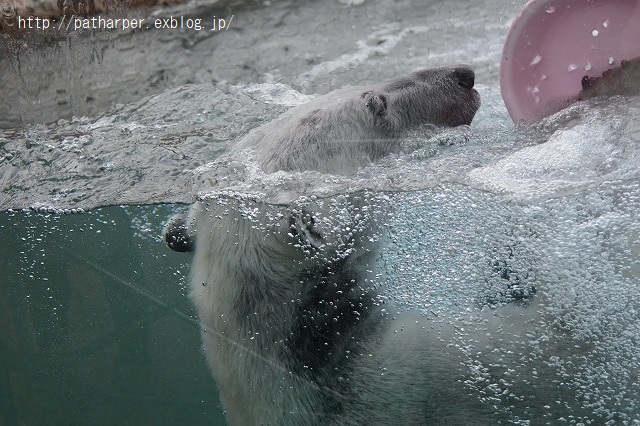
292	326
348	128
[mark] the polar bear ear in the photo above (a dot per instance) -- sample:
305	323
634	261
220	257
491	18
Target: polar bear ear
375	103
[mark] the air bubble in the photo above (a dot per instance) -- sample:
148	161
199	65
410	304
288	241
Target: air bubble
572	67
588	66
551	9
536	60
611	60
605	23
595	33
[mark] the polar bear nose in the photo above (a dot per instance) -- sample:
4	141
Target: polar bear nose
465	75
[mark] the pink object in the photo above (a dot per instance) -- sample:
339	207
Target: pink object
553	44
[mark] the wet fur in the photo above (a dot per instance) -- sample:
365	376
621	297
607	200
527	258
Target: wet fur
351	127
292	324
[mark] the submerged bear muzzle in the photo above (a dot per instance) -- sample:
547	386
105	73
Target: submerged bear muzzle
176	234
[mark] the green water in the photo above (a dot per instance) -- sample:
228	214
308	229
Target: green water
95	324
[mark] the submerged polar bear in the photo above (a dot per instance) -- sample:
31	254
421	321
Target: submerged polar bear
292	325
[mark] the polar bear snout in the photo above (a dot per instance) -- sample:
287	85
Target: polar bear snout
176	233
465	75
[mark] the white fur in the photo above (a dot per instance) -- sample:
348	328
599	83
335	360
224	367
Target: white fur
256	264
348	128
293	327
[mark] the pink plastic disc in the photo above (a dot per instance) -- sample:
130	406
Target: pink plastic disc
553	44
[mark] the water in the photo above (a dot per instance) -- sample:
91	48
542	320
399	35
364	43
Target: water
96	326
572	260
95	322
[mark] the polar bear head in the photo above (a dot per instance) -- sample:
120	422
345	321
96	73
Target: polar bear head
348	128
